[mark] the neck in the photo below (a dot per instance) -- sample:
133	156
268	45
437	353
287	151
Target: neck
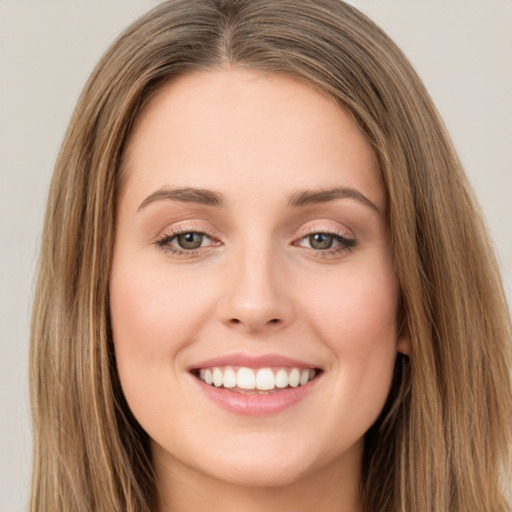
333	488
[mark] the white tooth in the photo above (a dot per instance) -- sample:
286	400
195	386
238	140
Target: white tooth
304	377
265	379
294	378
217	377
229	378
208	377
281	378
245	378
312	374
201	373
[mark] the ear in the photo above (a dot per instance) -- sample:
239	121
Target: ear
403	344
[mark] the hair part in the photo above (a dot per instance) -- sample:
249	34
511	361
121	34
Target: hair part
443	440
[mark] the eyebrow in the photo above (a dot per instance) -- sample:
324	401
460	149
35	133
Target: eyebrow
185	195
297	199
303	198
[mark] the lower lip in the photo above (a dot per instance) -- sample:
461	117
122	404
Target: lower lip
254	404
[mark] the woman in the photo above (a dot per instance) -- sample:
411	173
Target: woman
264	282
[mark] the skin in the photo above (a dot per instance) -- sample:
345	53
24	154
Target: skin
255	286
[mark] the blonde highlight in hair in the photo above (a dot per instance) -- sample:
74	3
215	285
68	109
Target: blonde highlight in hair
442	442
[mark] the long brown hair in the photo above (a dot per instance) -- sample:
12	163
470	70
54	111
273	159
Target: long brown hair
442	443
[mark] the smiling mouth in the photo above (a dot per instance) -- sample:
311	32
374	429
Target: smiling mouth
260	381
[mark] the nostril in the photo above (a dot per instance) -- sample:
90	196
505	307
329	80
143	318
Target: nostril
254	324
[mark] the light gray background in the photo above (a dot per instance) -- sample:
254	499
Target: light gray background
461	48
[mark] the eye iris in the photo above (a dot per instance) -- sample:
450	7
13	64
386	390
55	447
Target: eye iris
190	240
321	241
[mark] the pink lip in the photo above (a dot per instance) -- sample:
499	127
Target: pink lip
249	361
253	404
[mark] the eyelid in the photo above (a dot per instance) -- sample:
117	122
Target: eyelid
186	226
162	241
346	242
322	227
343	240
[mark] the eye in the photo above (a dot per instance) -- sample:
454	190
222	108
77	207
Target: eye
189	240
321	241
326	243
184	243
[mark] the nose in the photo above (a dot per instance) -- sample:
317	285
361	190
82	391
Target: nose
257	295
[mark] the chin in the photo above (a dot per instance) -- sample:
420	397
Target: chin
251	461
259	473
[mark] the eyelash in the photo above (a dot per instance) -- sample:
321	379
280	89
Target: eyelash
164	242
345	244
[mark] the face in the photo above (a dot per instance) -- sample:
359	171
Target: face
252	250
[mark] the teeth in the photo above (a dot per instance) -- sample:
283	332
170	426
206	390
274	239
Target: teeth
294	378
281	378
265	379
217	377
229	379
304	377
245	379
261	380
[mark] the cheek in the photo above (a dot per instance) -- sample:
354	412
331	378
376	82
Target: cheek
357	306
152	311
357	320
154	316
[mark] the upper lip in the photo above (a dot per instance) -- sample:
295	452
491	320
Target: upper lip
253	361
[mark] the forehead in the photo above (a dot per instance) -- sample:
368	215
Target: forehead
231	127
